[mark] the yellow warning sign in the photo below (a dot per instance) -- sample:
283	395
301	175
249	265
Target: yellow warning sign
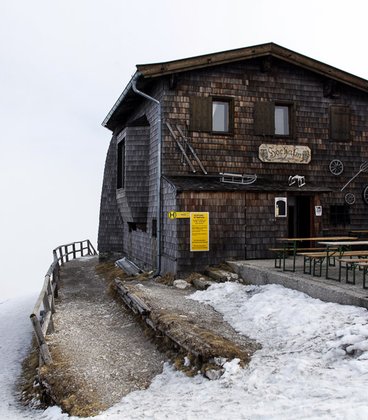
178	214
183	214
199	231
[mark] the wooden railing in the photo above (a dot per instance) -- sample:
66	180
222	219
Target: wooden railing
41	317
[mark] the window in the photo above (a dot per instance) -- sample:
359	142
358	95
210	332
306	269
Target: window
120	180
273	119
339	215
282	120
339	123
132	226
220	116
154	228
211	114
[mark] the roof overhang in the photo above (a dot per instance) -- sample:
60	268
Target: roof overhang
270	49
212	183
149	72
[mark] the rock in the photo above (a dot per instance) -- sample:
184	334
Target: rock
181	284
214	374
221	275
202	284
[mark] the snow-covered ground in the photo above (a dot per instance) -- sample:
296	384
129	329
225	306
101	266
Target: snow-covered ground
313	363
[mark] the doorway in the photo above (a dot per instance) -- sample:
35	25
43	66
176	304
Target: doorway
299	217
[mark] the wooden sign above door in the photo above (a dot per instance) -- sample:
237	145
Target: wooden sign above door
284	153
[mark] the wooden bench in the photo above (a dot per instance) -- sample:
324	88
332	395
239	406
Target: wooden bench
282	253
350	265
317	259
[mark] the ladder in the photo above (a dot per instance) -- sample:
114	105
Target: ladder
184	140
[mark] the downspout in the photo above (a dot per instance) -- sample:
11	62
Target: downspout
159	169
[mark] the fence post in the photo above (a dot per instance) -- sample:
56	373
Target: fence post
55	278
44	350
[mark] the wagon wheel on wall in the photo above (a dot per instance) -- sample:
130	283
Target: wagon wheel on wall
336	167
350	198
365	194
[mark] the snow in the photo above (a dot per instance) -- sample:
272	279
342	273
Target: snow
313	363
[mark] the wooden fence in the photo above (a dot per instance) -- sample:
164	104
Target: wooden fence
41	317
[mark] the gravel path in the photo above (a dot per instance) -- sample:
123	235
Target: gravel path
99	349
101	352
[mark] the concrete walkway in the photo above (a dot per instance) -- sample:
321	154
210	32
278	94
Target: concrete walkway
264	272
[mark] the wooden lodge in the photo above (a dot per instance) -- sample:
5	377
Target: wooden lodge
269	142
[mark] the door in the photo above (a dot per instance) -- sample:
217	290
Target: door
299	217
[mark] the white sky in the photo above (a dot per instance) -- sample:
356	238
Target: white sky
63	63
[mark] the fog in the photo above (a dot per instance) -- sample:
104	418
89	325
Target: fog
63	65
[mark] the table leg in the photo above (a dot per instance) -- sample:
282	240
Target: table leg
327	260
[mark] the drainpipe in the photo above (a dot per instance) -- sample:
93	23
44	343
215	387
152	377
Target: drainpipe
159	169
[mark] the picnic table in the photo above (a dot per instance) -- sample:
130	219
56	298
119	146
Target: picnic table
360	232
342	248
351	264
291	245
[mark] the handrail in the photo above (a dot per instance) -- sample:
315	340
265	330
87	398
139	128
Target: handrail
41	317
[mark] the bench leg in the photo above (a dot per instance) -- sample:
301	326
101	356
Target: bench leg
277	261
317	261
350	267
305	271
364	274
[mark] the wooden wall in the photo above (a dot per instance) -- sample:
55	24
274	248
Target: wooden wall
242	223
110	229
247	85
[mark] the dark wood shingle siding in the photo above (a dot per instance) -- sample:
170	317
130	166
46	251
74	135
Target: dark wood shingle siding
242	223
133	196
239	153
110	230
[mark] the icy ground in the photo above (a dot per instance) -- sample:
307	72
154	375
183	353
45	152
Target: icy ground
313	363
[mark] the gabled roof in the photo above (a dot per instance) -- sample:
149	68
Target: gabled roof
149	72
241	54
